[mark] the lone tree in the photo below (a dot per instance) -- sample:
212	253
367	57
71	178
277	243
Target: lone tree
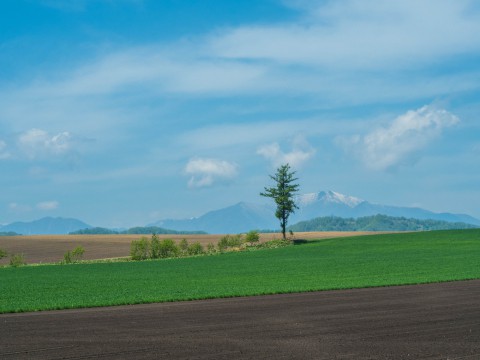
283	194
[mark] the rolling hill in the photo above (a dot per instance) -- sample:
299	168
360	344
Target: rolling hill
375	223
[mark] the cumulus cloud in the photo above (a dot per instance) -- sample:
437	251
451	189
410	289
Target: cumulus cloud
301	152
48	205
205	172
36	143
4	154
401	142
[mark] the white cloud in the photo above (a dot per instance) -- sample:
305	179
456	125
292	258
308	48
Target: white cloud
48	205
401	142
36	143
322	54
19	208
4	154
358	34
301	152
205	172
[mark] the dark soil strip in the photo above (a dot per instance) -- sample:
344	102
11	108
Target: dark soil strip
435	321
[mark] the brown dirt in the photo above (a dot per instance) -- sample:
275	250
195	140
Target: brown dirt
51	248
435	321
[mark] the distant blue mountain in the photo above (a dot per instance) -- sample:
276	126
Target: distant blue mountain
45	226
330	203
233	219
246	216
243	216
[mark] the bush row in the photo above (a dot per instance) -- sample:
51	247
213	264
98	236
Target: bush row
155	248
15	259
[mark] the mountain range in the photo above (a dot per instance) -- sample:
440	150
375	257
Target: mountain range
45	226
243	216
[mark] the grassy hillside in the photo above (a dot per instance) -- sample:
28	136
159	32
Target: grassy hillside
364	261
375	223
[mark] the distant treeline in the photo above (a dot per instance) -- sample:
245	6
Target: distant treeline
134	230
8	233
375	223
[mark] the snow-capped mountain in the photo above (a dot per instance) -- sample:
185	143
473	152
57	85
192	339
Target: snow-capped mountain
246	216
327	197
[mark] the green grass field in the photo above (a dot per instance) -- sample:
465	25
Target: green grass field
341	263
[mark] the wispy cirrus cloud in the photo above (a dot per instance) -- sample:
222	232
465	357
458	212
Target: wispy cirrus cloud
308	55
205	172
400	142
355	34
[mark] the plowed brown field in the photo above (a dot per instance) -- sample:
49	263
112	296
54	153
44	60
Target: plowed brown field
51	248
435	321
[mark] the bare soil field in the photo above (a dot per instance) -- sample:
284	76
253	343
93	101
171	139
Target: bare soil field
434	321
51	248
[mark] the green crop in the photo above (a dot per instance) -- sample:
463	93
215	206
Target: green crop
366	261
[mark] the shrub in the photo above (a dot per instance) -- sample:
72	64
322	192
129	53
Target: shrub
17	260
74	255
252	236
77	253
67	257
168	249
273	244
183	245
195	249
3	253
229	241
139	249
222	243
210	248
155	247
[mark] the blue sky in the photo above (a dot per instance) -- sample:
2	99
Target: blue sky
124	112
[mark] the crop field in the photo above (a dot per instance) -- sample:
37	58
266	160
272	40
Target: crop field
353	262
430	321
50	248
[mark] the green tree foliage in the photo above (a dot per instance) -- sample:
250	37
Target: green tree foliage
134	230
229	241
283	194
168	249
375	223
74	256
17	260
8	233
140	249
94	231
154	247
3	253
195	249
252	236
210	248
183	245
